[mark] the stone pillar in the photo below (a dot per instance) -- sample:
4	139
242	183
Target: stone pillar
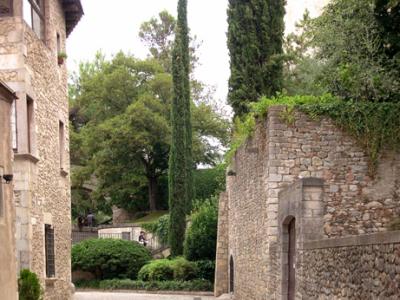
222	257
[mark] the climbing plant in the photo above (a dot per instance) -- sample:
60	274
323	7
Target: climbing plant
374	125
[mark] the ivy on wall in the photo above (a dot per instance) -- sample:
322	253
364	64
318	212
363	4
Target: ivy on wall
375	125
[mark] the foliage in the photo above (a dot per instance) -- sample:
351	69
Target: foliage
109	258
201	236
120	134
348	40
387	13
126	284
164	269
205	269
29	286
374	125
255	37
207	182
159	228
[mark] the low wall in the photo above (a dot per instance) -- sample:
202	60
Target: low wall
359	267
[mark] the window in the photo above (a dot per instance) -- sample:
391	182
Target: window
30	127
34	15
58	44
49	249
14	126
6	8
1	194
61	142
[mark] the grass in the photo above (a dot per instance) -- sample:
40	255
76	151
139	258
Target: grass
151	217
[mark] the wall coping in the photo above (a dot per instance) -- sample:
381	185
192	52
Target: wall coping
389	237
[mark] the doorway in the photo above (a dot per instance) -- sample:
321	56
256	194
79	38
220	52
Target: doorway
292	259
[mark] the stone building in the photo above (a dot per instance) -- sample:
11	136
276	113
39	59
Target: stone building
8	275
32	36
302	217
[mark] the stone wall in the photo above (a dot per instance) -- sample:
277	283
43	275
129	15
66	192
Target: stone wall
42	185
363	267
8	276
348	201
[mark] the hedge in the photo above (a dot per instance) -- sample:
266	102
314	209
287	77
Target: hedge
126	284
110	258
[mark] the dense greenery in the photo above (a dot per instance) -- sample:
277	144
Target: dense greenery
165	269
205	269
159	228
208	182
29	286
255	37
126	284
201	236
180	176
375	125
109	258
349	51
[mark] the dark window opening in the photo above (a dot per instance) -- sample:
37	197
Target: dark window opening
30	126
33	11
231	276
6	8
61	142
49	249
58	44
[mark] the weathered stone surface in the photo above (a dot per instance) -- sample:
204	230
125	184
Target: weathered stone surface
351	202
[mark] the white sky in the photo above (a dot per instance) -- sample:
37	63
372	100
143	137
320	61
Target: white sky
114	25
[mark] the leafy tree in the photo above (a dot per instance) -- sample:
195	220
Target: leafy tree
201	236
387	12
348	41
255	38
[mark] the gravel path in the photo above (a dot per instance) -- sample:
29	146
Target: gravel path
134	296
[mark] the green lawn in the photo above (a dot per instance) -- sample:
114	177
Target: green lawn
151	217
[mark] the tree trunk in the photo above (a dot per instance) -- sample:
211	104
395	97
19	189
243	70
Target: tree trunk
153	193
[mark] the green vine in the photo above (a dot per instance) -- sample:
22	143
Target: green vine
375	125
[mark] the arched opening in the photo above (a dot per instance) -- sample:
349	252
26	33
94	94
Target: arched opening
231	275
289	258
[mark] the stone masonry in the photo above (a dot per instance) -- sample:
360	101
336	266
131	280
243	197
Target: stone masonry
29	65
312	172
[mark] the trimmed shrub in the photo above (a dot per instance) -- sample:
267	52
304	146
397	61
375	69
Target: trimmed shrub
157	270
28	286
201	237
127	284
183	269
205	269
164	270
110	258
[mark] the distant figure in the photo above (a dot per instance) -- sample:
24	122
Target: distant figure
90	219
81	222
142	238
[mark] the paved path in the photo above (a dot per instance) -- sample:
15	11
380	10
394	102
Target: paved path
134	296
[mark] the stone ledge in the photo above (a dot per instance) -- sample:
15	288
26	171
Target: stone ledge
26	156
390	237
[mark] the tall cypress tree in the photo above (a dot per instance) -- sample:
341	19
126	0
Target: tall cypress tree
255	38
184	36
177	164
181	162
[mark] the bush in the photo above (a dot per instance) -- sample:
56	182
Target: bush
207	182
201	237
193	285
109	258
157	270
205	269
164	270
183	269
28	286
